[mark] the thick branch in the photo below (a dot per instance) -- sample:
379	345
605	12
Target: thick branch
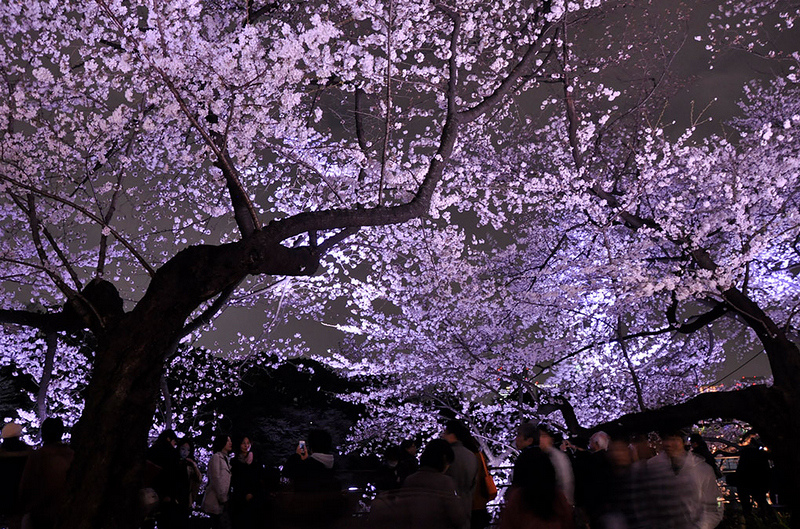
37	320
754	405
524	67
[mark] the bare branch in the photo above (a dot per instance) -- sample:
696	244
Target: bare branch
33	222
387	131
112	207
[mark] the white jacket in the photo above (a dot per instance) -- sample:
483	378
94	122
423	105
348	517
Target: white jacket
219	484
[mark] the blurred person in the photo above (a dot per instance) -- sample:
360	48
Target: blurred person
464	469
427	499
592	472
526	440
599	442
700	448
565	479
534	501
44	480
682	488
624	497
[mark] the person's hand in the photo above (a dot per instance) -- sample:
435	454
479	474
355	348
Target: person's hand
302	452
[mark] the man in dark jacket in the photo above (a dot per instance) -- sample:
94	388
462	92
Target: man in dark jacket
316	498
464	469
753	477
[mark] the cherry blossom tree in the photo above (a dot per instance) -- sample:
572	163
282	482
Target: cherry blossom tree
642	255
162	159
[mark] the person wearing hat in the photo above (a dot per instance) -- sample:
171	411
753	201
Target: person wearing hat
13	456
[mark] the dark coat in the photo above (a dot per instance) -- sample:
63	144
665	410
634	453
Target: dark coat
44	482
427	500
14	455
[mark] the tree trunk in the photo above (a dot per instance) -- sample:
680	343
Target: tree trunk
51	341
111	437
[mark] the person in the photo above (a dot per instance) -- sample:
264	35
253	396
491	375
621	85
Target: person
700	448
624	496
464	469
485	489
387	476
753	476
245	477
427	499
215	501
408	463
315	498
311	467
534	501
161	474
44	480
188	480
682	488
592	481
14	453
526	440
565	480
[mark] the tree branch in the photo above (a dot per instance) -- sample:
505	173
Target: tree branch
523	67
244	211
85	212
45	322
747	404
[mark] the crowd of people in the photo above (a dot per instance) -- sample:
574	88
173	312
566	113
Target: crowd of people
667	481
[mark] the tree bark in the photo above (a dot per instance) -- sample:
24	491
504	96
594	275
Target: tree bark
110	438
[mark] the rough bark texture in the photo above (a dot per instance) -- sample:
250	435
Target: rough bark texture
110	438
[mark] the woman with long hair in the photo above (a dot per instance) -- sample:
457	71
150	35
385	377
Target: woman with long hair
245	477
188	479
